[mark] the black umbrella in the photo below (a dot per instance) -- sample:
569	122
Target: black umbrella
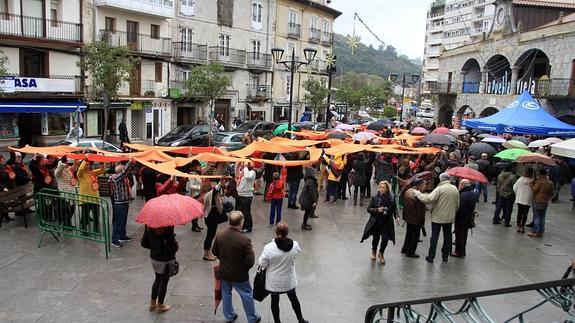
436	139
338	135
478	148
376	126
385	122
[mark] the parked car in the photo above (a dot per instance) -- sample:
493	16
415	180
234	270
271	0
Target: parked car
188	135
90	143
257	128
229	140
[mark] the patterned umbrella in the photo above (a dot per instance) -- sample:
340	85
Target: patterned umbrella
170	210
364	136
344	126
419	131
441	131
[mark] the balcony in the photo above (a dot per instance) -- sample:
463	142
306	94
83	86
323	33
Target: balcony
470	87
138	43
228	56
48	85
39	28
314	35
318	66
190	52
436	28
258	92
294	30
440	87
436	15
326	38
548	88
258	61
178	89
160	8
433	53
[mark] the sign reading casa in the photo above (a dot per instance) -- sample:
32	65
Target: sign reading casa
36	84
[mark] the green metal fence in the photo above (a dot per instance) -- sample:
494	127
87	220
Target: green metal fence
73	215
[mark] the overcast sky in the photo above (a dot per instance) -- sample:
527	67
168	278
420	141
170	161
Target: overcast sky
400	23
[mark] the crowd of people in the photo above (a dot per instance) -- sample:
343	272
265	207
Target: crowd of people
407	188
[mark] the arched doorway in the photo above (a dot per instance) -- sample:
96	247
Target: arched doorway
498	75
470	76
488	111
444	115
533	71
465	112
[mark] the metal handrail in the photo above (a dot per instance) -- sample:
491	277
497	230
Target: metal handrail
38	27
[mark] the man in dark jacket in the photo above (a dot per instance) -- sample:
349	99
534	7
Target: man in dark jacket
505	195
414	216
309	196
293	178
123	130
236	255
464	216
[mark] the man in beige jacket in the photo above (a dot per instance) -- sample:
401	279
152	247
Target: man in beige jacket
445	199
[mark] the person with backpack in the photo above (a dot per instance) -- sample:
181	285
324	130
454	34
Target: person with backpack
276	193
309	196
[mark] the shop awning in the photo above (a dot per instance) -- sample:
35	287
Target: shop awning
258	107
67	106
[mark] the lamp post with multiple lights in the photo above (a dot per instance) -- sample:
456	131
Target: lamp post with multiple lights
292	65
393	78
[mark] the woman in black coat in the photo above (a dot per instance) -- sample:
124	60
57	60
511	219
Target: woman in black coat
309	196
163	247
382	210
360	179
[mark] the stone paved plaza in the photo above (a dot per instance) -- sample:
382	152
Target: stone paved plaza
71	281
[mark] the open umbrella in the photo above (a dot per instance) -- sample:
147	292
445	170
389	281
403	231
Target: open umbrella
419	131
539	143
385	122
554	140
170	210
494	139
484	135
511	154
467	173
514	144
364	136
434	139
521	138
441	131
283	128
344	126
536	159
478	148
217	288
376	126
338	135
458	132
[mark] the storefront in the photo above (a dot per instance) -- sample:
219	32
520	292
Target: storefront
258	111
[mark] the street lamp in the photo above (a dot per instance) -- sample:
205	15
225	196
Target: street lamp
393	78
330	69
292	65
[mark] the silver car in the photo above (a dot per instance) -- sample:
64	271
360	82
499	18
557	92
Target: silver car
92	143
229	140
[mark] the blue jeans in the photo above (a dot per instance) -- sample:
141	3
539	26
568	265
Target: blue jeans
120	217
539	215
244	289
276	211
331	190
481	187
293	190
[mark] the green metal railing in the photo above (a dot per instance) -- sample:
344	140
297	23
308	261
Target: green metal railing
73	215
560	293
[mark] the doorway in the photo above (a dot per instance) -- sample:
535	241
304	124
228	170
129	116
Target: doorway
222	109
132	35
136	80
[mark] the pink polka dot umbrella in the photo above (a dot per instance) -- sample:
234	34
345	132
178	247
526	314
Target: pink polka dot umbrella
170	210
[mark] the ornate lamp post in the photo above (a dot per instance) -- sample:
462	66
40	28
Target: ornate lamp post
393	78
330	69
292	65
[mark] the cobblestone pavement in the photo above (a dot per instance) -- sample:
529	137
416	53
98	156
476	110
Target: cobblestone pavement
71	281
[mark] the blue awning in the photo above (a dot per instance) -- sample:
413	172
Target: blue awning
68	106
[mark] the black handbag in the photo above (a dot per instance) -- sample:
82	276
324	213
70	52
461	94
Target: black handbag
260	292
172	268
145	242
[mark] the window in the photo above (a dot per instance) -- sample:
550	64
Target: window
326	26
291	49
110	24
158	71
187	7
155	31
257	9
186	36
185	75
292	18
225	45
256	49
54	10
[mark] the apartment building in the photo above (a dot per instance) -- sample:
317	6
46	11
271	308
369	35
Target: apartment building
451	24
300	24
42	41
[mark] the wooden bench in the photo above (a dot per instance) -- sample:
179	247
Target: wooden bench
18	200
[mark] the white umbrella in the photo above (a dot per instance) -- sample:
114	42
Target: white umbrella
539	143
494	139
458	132
565	148
554	140
514	144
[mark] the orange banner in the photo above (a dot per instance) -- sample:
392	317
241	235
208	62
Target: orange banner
53	151
263	146
169	168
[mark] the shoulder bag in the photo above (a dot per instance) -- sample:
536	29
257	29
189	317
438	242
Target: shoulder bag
259	291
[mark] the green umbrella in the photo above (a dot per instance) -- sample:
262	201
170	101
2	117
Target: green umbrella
511	154
283	128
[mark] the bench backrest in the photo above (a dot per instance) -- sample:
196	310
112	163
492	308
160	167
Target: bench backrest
17	192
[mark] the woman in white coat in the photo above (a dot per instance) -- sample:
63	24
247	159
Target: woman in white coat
278	258
523	198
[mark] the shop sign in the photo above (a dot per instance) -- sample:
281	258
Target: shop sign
136	106
36	84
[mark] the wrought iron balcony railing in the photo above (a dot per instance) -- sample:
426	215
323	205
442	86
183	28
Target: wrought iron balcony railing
138	43
256	91
294	30
190	51
228	56
259	61
40	28
314	35
327	38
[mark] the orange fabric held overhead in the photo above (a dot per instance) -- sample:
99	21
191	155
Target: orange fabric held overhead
295	143
263	146
54	151
97	158
185	150
209	158
169	168
314	156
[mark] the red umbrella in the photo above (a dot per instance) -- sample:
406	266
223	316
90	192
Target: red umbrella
441	131
170	210
217	288
536	158
468	173
419	131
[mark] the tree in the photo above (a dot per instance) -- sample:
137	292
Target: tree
316	94
108	67
390	111
207	83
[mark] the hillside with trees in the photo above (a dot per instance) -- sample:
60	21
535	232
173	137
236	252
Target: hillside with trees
373	61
